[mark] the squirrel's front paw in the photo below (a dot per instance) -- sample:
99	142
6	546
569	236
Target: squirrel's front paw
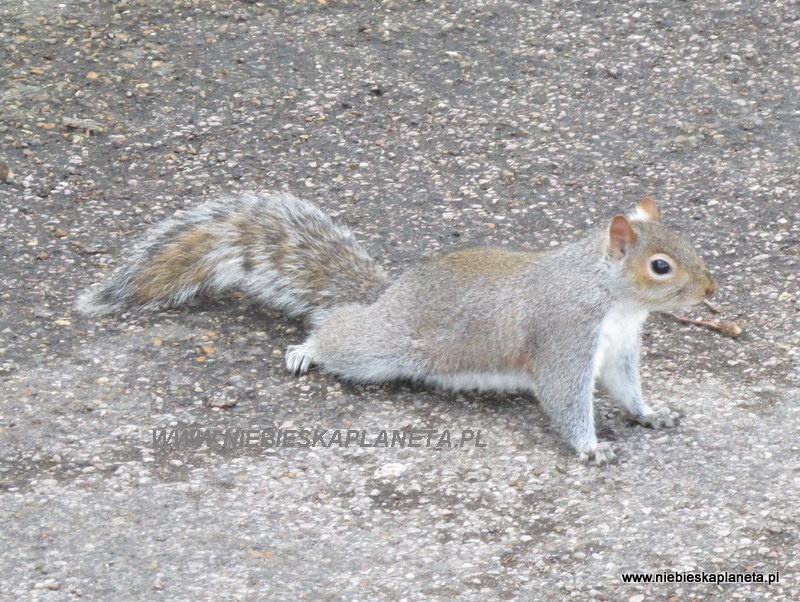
658	419
299	358
601	454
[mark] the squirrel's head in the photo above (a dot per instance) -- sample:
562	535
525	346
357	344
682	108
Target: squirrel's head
663	269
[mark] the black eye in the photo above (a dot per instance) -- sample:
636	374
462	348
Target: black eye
660	266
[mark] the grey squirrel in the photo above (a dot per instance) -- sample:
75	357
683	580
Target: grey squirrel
550	324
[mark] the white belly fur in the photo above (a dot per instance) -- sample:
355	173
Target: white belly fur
483	381
620	330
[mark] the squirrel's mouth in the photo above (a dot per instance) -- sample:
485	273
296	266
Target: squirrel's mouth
697	298
681	300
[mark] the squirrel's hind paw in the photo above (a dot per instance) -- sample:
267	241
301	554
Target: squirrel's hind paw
299	358
600	455
658	419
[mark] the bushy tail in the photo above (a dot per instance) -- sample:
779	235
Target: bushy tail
280	249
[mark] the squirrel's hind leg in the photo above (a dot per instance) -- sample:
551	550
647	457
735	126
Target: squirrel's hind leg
356	345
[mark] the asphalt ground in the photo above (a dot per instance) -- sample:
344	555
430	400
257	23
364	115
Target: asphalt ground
425	127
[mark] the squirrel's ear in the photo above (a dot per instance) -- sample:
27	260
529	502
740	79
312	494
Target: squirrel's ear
646	211
621	235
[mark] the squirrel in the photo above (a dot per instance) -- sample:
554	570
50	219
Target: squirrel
551	324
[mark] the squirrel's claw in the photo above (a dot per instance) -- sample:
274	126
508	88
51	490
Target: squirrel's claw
600	455
298	359
658	419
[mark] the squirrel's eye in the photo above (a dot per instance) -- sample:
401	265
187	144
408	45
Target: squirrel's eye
661	267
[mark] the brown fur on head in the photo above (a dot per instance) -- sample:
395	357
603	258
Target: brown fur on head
664	269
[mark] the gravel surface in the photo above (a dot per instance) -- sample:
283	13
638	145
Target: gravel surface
424	126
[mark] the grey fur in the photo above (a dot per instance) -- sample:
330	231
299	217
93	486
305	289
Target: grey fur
433	326
551	324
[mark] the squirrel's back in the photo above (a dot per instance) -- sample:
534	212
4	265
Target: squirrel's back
282	250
